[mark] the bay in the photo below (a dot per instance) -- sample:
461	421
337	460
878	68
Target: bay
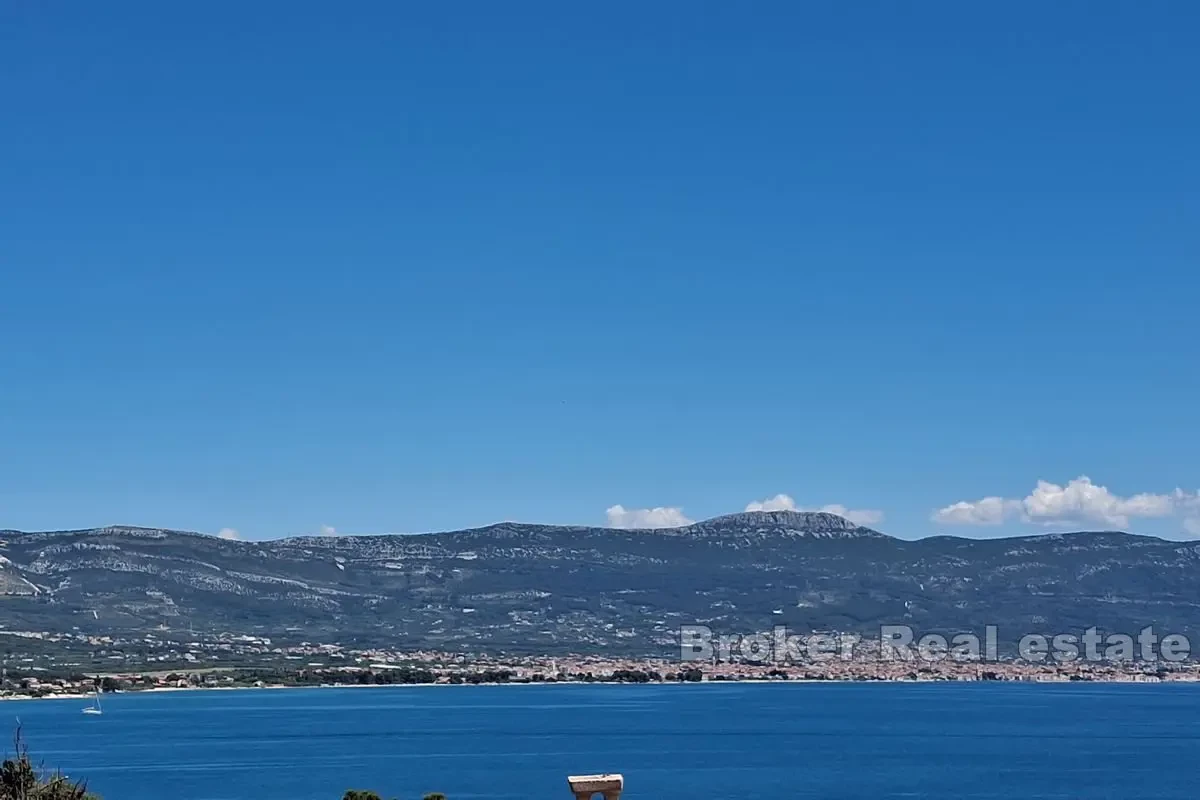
813	740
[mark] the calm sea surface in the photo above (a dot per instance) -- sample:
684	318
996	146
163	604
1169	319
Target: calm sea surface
718	740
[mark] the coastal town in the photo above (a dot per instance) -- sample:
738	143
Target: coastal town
43	664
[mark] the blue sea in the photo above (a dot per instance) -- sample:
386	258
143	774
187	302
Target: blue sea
976	740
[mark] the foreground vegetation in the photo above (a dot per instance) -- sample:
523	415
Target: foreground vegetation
20	779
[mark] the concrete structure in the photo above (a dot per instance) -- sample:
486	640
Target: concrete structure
584	787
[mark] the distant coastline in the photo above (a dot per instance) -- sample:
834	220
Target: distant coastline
81	696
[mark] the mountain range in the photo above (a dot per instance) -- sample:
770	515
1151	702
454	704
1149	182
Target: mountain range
542	588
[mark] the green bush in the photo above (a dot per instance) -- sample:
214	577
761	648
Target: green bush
21	780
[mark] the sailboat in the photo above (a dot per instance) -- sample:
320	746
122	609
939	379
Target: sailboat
94	708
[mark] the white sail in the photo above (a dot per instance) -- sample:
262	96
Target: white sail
95	707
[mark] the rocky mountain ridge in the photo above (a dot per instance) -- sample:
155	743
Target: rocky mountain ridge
522	587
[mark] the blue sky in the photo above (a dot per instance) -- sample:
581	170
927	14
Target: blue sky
277	266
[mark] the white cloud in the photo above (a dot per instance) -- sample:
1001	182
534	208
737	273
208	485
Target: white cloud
780	502
783	502
229	534
1080	501
1191	526
988	511
328	530
660	517
1188	502
859	516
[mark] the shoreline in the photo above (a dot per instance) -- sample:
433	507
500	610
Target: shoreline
743	682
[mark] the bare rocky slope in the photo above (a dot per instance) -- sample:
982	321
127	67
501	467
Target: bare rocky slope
518	587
